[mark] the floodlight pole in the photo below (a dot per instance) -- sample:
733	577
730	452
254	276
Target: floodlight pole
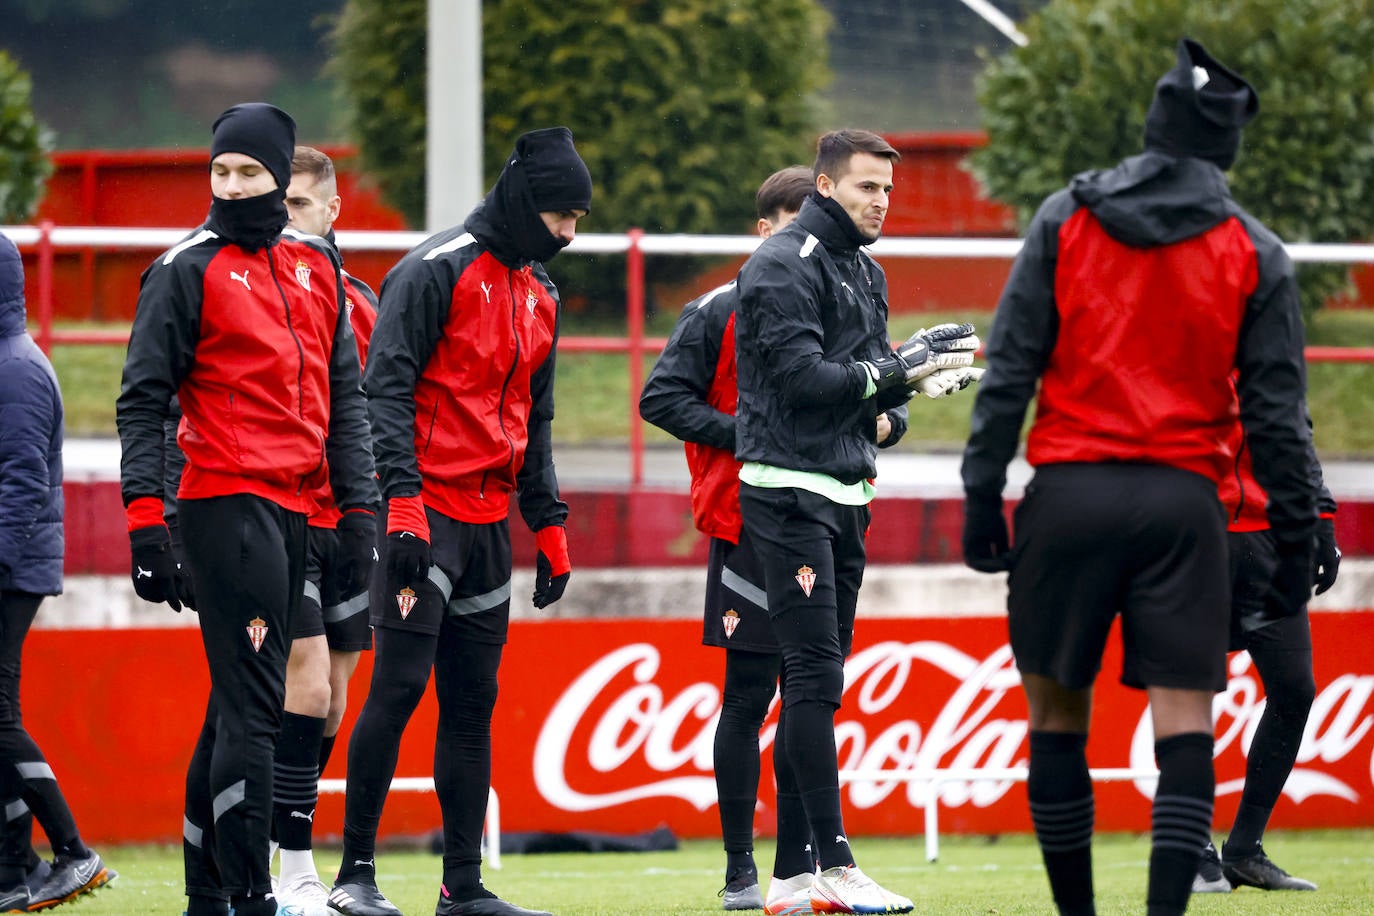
453	110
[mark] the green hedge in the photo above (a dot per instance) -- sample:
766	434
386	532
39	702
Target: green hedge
680	107
24	146
1075	98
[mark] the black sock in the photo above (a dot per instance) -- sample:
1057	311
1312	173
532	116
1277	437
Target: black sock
326	749
296	779
206	906
794	854
741	865
1248	830
464	882
1061	806
1181	819
265	905
811	752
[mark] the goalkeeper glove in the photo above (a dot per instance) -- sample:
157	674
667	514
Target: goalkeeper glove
946	346
944	382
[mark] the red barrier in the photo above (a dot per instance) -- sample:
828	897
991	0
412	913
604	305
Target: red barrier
607	725
618	528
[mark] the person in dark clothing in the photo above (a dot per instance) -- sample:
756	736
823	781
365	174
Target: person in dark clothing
244	323
1281	650
691	393
815	372
331	630
460	391
31	552
1138	292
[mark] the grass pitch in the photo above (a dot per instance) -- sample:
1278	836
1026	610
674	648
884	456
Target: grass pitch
998	876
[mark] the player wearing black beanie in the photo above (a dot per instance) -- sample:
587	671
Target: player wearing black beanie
245	326
460	391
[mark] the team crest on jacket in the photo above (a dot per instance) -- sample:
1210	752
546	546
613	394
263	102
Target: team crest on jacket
348	306
303	274
257	632
806	578
531	301
730	620
405	601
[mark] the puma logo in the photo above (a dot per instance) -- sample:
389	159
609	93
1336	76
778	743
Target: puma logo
486	291
301	814
144	573
242	278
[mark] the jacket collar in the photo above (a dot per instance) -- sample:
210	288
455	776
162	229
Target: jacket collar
824	218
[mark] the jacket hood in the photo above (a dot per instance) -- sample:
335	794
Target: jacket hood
1154	199
11	289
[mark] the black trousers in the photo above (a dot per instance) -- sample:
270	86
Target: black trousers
247	562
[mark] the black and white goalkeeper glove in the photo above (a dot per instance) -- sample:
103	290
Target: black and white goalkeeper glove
945	346
944	382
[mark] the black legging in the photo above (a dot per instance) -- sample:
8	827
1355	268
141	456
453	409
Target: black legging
750	681
465	684
24	772
1282	653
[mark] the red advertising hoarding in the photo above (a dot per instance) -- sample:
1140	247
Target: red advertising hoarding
607	725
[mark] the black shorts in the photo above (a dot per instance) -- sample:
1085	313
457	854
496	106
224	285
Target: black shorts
1254	557
736	599
1147	542
468	585
342	619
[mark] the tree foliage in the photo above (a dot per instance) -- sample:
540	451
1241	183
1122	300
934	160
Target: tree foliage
1075	98
680	107
24	146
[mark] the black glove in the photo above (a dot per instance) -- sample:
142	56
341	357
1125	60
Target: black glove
1292	582
987	546
407	558
1326	562
357	531
553	554
186	592
154	568
946	346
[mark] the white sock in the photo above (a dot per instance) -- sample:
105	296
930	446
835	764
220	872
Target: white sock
297	862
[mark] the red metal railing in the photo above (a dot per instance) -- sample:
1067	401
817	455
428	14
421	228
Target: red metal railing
633	244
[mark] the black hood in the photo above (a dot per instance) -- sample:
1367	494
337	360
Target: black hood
1153	199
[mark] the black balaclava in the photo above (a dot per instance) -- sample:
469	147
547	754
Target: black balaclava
267	134
1199	108
543	173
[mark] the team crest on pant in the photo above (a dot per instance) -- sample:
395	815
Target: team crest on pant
730	620
303	274
257	632
806	578
405	601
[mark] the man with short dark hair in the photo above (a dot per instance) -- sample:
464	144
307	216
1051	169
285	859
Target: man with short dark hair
460	391
332	630
244	323
691	393
816	371
1139	291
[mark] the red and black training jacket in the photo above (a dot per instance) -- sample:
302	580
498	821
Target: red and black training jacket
1138	292
460	378
261	357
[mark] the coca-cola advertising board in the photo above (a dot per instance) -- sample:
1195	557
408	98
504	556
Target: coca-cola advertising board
607	725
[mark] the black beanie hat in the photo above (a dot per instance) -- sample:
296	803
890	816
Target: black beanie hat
262	131
558	178
1199	108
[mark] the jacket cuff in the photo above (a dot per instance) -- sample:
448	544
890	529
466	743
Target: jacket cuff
407	513
553	544
144	512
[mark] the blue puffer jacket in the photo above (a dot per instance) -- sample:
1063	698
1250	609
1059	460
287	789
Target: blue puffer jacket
30	447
